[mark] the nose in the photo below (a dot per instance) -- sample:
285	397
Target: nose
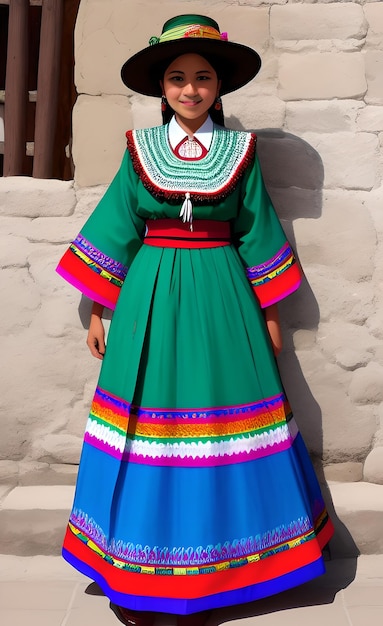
190	89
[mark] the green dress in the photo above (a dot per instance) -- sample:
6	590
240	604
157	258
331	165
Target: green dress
195	489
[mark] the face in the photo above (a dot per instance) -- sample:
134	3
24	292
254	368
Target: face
190	86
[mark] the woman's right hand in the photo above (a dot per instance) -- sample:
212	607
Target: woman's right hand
96	334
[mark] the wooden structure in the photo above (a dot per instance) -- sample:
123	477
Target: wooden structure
36	67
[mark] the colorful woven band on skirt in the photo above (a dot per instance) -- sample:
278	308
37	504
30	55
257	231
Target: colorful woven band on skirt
169	233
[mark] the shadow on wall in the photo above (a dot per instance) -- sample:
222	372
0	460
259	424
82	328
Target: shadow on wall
293	173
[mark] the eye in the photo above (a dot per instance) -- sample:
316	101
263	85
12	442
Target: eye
203	78
175	79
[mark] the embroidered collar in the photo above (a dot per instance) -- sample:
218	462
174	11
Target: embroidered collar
206	181
204	134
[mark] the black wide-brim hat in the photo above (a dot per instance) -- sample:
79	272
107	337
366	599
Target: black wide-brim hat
235	63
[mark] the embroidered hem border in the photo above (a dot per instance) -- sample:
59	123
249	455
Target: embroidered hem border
188	594
207	568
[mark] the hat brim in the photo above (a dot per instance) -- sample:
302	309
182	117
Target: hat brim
143	71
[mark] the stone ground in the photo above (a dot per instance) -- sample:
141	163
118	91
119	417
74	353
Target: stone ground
45	591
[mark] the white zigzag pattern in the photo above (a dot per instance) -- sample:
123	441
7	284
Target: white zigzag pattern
200	449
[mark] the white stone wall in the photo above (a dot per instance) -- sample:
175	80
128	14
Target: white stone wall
317	107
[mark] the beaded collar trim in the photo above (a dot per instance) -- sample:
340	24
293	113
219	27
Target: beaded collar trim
207	180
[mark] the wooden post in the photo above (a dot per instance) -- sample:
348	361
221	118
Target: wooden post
16	89
47	87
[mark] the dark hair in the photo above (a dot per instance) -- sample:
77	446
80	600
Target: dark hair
158	72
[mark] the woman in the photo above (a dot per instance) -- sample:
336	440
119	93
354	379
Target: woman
195	489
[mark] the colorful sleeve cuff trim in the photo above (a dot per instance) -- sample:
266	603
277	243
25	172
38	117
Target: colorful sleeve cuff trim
277	278
89	278
114	271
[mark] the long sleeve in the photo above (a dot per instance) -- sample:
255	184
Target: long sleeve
270	263
99	258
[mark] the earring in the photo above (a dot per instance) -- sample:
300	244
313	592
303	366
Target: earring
218	104
164	104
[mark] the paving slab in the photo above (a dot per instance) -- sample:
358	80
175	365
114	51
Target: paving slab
45	497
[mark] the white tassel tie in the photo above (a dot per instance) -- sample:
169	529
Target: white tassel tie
187	210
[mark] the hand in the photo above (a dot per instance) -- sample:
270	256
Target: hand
96	334
273	326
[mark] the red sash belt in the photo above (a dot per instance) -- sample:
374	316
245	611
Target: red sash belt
169	233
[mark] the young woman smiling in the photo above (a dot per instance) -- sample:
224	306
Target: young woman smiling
195	489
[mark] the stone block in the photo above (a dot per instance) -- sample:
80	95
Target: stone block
373	202
292	203
53	375
374	15
40	497
349	472
326	295
373	466
249	25
42	262
360	507
22	299
87	199
316	21
343	238
264	112
21	196
374	76
5	489
304	339
323	117
99	126
55	230
34	473
378	439
370	118
321	76
350	161
14	251
38	533
375	324
288	161
57	448
317	391
59	317
349	345
15	226
99	59
366	384
145	112
9	471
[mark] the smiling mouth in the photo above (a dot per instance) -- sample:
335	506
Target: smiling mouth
190	103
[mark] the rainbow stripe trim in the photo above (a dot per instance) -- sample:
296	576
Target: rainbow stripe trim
189	437
277	265
98	262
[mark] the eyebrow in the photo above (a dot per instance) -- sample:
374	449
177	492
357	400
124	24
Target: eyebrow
182	72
